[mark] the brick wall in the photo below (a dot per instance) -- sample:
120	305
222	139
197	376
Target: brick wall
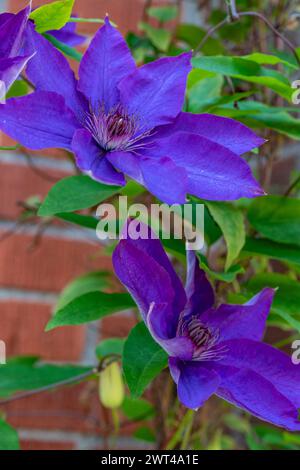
34	270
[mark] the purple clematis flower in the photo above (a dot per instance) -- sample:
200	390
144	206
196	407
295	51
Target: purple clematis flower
212	350
12	35
120	120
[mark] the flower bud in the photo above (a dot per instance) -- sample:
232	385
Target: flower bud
111	386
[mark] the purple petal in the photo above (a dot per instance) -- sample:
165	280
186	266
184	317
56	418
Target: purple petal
38	121
199	291
215	173
68	35
255	394
155	92
224	131
242	321
11	68
163	178
126	162
91	159
49	70
181	347
106	61
195	382
268	362
12	33
147	281
4	17
153	247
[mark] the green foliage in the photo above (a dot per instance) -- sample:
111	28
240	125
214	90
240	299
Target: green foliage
90	282
287	299
90	307
164	13
143	359
231	222
246	70
137	408
109	347
160	38
22	375
9	439
276	218
74	193
52	15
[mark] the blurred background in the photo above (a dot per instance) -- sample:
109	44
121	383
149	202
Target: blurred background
39	258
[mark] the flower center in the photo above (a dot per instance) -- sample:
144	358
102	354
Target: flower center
112	130
204	339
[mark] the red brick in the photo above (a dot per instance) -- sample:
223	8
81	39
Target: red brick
18	183
50	265
75	408
22	327
117	325
41	445
126	14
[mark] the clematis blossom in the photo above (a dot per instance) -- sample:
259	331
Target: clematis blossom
212	350
122	121
12	58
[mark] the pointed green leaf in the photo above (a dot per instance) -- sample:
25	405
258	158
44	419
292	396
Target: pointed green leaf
143	359
75	193
52	15
90	282
90	307
231	222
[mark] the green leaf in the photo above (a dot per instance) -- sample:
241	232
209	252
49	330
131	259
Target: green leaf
17	376
74	193
109	347
247	70
90	307
64	48
270	249
137	408
86	221
143	359
160	38
276	218
145	433
9	439
231	222
277	119
269	59
90	282
52	15
286	303
228	276
164	13
204	92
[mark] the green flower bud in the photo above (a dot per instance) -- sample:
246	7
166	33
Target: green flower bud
111	386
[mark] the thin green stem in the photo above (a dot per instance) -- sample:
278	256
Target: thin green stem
187	431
